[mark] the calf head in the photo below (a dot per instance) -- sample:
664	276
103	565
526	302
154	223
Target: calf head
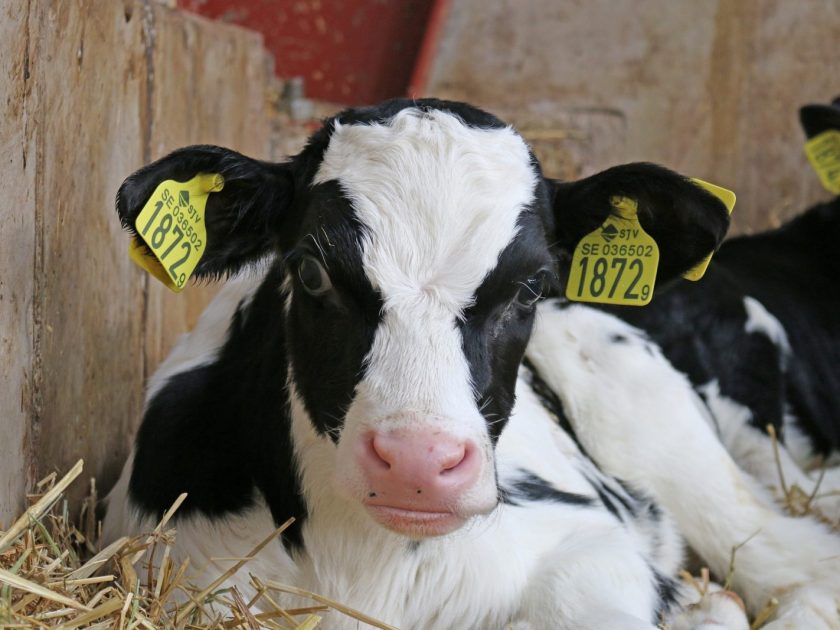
415	239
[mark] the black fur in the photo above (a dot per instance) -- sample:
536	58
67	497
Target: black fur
529	487
242	220
792	272
221	432
329	336
686	221
496	329
668	590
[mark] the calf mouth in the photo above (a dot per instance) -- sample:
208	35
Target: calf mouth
415	523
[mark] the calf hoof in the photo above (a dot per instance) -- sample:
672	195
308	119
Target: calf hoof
719	610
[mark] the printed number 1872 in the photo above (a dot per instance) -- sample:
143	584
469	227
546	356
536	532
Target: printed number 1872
606	275
175	221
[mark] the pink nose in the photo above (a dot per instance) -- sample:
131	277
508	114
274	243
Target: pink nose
415	469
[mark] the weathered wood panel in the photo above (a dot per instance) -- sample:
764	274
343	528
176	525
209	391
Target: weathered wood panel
210	88
709	88
91	92
91	78
17	255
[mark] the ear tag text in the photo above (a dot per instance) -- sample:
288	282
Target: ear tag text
172	225
728	198
823	151
616	263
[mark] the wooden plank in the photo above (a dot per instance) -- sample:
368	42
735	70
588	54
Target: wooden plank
210	87
708	88
110	86
91	79
17	252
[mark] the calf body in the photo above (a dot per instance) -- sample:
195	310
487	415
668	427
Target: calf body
610	553
365	375
759	338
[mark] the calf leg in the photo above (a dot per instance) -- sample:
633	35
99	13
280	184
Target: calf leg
771	464
601	581
639	419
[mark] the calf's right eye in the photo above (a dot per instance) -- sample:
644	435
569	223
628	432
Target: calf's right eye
313	276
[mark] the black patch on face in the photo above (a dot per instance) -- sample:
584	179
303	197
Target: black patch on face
495	329
330	335
222	432
617	338
531	488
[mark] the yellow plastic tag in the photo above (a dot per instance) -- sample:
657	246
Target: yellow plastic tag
172	225
823	151
728	199
615	264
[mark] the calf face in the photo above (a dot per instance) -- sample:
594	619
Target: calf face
414	240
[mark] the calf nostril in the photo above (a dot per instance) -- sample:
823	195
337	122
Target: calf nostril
454	460
379	454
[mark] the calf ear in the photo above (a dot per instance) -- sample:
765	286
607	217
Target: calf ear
686	221
243	220
818	118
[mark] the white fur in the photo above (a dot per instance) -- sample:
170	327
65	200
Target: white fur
759	320
754	451
638	418
428	242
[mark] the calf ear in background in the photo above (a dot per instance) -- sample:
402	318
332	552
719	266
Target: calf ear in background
243	220
816	119
686	221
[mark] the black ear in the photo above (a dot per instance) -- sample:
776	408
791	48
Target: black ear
243	220
686	221
818	118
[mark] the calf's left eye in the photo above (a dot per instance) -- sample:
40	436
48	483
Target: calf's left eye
313	276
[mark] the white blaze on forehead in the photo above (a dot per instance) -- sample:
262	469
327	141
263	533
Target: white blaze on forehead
439	201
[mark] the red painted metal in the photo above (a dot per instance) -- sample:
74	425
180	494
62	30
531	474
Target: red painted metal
348	51
428	49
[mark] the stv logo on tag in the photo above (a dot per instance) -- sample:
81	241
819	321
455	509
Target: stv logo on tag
609	233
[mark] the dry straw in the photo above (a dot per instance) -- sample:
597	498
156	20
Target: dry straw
52	577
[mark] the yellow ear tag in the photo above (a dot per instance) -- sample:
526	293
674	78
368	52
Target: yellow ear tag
728	199
615	264
172	225
823	151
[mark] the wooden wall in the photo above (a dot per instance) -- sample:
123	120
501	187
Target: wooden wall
91	91
710	88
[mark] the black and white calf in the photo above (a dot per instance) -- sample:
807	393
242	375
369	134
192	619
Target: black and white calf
364	374
759	338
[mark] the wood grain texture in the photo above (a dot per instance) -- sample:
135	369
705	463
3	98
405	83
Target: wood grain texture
708	88
92	91
17	255
91	78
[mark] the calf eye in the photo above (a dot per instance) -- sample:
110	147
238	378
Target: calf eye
529	292
313	277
